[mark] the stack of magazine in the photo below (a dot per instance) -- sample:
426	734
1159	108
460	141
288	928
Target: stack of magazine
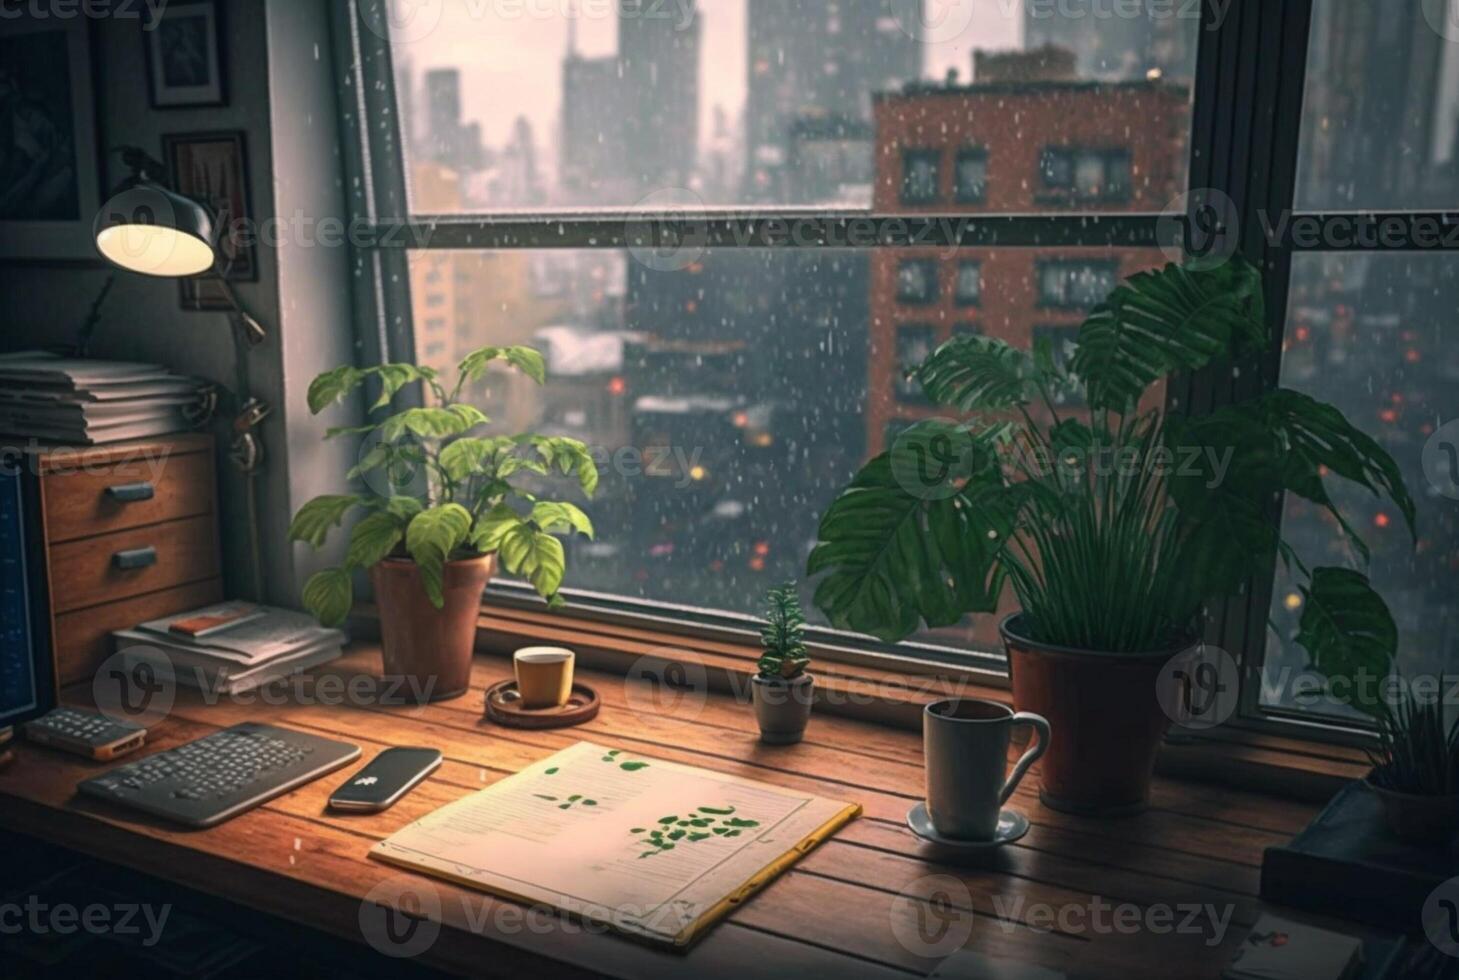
229	648
91	402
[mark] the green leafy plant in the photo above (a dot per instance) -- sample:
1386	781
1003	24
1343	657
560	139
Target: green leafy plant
783	636
1416	754
451	494
1116	524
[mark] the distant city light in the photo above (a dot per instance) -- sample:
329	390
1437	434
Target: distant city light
1293	601
1381	519
697	473
617	386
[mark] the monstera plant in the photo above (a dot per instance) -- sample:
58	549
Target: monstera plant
441	506
1113	523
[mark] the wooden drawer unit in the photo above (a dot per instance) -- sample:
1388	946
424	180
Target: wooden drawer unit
85	502
130	533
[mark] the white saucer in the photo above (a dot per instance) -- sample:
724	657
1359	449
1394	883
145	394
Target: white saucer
1011	826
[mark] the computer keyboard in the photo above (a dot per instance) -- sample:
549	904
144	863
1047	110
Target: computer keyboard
205	782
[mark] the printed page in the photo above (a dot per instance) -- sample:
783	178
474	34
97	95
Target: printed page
652	847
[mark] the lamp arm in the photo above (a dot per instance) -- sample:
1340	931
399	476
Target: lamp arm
253	331
93	317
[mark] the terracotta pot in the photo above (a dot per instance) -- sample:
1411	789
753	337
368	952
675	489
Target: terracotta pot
1424	820
430	649
1106	719
782	707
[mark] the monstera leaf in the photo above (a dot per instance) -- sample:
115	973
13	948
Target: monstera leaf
1178	319
979	374
1347	630
896	550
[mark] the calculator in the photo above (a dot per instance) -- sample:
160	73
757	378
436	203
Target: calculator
85	733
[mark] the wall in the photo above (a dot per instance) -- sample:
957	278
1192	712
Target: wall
266	43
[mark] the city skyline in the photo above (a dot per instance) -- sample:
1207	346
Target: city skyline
522	57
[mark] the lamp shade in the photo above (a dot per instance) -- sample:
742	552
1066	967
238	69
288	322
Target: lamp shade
149	229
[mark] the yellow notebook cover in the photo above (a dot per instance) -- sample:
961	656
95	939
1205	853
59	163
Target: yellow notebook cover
657	850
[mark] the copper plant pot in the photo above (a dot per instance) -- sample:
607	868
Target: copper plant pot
430	649
1105	715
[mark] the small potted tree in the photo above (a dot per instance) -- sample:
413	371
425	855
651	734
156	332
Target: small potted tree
782	689
442	507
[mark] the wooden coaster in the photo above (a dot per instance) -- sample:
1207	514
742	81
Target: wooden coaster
504	708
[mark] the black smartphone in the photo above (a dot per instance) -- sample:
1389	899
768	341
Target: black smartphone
388	777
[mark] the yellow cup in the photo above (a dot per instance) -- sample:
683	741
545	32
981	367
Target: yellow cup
544	676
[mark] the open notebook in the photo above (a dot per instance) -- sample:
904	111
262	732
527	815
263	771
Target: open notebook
657	850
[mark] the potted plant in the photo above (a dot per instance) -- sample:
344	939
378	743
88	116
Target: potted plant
1113	523
441	508
1416	769
781	688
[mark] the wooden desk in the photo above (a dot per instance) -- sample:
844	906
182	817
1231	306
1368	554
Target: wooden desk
837	914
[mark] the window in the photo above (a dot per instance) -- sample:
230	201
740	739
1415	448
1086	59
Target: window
921	176
1101	176
914	345
917	282
1075	285
781	367
969	283
1059	339
972	176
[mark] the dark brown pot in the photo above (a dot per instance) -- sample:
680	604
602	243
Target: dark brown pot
1105	715
430	649
1424	820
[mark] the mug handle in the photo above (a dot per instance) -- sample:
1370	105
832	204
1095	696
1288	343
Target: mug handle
1040	726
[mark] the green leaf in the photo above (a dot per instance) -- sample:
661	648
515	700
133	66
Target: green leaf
493	526
1176	319
569	457
1346	628
377	456
393	377
632	766
431	423
431	538
1314	436
329	595
980	374
893	558
316	518
331	386
373	538
404	508
536	556
467	457
524	359
552	517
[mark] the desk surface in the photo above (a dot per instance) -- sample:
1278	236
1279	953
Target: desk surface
854	907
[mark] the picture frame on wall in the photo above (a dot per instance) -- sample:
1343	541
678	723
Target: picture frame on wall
185	55
212	168
50	174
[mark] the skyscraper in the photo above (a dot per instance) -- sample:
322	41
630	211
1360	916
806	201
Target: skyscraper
658	56
818	61
1110	46
447	141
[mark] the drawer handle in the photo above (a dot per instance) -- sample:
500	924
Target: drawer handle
136	558
129	493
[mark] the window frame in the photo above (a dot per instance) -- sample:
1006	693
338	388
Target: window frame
959	298
934	281
959	194
931	155
1246	115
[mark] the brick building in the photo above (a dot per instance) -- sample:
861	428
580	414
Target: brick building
1021	139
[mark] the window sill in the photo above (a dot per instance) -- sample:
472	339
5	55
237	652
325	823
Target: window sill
1247	759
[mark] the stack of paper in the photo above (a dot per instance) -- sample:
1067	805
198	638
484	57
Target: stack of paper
89	402
247	647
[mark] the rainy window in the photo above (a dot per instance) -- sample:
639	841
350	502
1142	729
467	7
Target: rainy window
730	392
1374	334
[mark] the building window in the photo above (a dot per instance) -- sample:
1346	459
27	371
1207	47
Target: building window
969	283
921	176
1058	342
972	176
965	329
914	345
917	282
1085	176
1074	285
